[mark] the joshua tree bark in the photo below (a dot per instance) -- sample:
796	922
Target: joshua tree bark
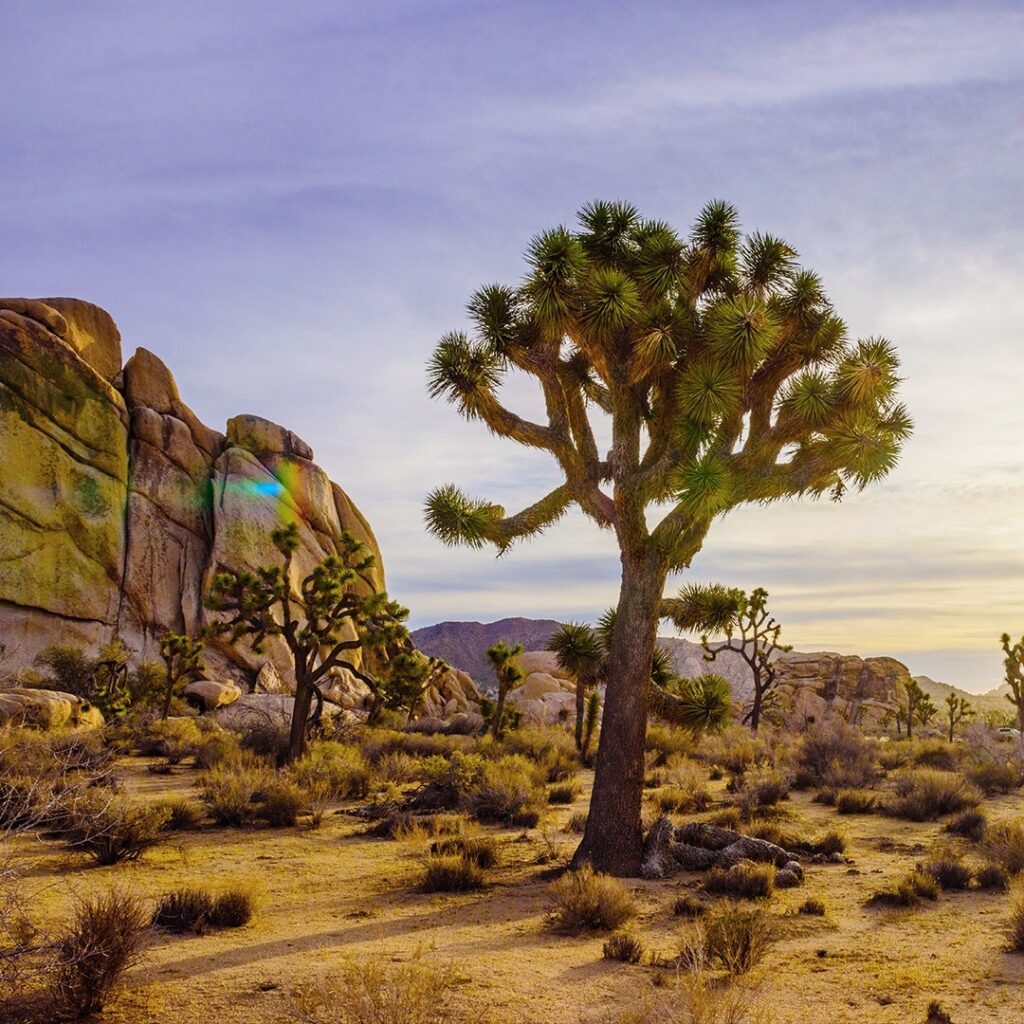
726	377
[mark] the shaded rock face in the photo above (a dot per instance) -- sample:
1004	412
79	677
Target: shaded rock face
117	505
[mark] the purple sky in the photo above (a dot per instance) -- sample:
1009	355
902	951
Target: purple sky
289	203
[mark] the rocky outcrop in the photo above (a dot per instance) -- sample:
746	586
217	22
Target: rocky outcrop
117	504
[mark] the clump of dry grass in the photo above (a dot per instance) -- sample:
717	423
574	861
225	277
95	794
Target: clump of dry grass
111	827
577	823
183	814
947	867
813	906
283	801
1004	844
625	947
761	787
907	892
924	794
694	999
585	901
992	876
746	880
451	873
829	842
106	938
233	790
371	992
563	793
729	936
184	910
481	850
232	908
970	825
689	906
855	801
1016	923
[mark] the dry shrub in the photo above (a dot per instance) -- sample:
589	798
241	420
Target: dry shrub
451	873
761	787
695	999
371	992
832	841
506	791
993	776
1016	923
727	817
836	755
106	938
183	814
908	891
924	794
970	825
894	755
1004	844
215	748
395	766
625	947
735	749
729	936
233	790
377	743
231	909
992	876
665	741
483	851
813	906
584	901
577	823
175	738
184	910
110	827
935	753
339	767
855	801
689	906
746	880
551	750
564	793
947	867
283	801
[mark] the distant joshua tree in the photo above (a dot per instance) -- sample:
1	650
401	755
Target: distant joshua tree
1013	664
958	709
335	613
182	658
727	379
580	652
503	661
750	631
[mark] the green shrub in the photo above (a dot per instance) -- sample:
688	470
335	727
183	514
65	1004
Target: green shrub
231	909
233	791
451	873
106	938
746	880
729	936
970	824
216	748
176	738
184	910
585	901
666	741
813	906
855	801
625	947
924	794
110	827
337	766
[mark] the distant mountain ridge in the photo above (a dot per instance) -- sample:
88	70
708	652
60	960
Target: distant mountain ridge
991	700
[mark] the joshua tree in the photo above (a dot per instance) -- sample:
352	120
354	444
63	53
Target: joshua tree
958	709
749	630
590	720
1013	663
503	659
727	379
410	675
579	652
335	613
916	699
926	709
182	657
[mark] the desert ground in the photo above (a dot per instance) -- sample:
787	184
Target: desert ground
330	895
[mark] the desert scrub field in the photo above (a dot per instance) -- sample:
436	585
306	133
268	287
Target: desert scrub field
416	865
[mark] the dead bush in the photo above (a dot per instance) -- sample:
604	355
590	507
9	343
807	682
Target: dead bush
855	801
947	867
451	873
282	803
1016	923
233	791
481	850
584	901
110	827
729	936
970	825
183	814
231	909
993	776
836	755
184	910
1004	844
175	738
339	767
689	906
577	823
907	891
992	876
625	947
105	940
563	793
813	906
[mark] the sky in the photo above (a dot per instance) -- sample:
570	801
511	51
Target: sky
290	203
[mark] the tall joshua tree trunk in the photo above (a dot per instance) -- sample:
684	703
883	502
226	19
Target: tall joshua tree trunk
300	719
613	839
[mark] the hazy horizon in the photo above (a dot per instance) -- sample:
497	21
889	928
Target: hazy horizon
289	206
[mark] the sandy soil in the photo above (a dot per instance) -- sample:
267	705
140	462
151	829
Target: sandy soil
329	894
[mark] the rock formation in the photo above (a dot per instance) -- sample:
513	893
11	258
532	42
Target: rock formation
117	504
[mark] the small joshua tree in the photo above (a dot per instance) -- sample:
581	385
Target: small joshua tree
409	677
503	660
926	710
958	709
911	712
726	378
749	630
1013	664
183	657
335	613
581	653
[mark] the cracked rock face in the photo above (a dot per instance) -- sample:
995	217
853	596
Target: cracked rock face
117	505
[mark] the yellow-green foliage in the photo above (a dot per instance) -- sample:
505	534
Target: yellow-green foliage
176	738
338	767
